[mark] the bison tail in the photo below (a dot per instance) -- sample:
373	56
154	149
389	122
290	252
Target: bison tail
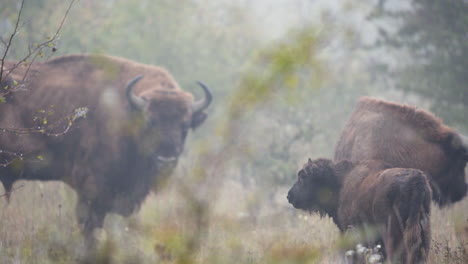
417	228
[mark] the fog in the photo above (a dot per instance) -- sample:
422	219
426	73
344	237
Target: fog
285	76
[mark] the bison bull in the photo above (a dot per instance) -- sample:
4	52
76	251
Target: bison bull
407	137
134	131
393	201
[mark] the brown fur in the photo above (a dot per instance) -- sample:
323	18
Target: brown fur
407	137
112	157
395	202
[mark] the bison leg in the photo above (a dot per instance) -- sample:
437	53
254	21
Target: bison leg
393	236
89	217
408	228
7	181
417	234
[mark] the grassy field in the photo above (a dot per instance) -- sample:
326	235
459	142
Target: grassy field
229	223
277	102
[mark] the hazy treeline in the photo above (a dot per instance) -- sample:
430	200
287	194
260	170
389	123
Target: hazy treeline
285	76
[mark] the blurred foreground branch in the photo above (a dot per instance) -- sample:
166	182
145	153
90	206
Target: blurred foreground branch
8	87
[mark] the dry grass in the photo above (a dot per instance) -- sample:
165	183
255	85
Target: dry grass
235	226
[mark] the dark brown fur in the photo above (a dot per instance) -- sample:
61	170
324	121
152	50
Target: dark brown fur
407	137
113	156
393	201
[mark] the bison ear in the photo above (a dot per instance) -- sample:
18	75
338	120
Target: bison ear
197	119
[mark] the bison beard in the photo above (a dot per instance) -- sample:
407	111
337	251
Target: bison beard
407	137
394	201
131	138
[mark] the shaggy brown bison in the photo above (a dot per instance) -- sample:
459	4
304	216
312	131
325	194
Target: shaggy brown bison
407	137
393	201
137	119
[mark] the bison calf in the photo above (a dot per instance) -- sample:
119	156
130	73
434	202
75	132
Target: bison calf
394	201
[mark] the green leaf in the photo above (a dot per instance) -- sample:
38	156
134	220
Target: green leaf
40	157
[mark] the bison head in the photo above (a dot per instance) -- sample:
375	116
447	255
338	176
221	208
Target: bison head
452	187
167	116
317	187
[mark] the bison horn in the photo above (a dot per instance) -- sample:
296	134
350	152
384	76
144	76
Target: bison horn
135	101
202	104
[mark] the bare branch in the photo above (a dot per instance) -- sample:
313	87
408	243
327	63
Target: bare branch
7	48
80	112
37	50
10	90
12	156
58	128
65	123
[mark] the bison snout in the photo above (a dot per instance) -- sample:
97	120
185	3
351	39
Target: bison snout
290	197
166	159
166	162
460	193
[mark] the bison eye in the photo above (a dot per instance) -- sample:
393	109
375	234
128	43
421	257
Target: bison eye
185	129
186	126
311	169
301	176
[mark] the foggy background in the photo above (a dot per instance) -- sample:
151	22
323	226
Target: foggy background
285	76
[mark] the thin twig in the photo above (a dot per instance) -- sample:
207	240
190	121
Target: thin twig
70	119
7	48
36	50
41	46
12	157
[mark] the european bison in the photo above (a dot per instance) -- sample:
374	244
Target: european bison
394	201
136	122
407	137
